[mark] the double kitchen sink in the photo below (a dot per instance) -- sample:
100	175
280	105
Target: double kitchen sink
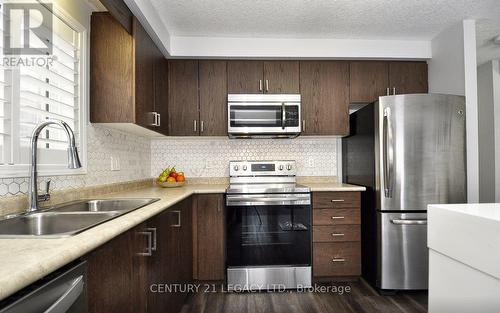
68	219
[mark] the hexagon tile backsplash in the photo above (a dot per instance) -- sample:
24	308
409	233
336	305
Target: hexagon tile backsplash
102	143
209	157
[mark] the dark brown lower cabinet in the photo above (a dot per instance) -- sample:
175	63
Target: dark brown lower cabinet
170	262
336	235
115	272
209	243
132	272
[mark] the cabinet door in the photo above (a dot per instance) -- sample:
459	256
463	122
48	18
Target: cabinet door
324	86
245	76
144	63
281	77
161	91
183	115
408	77
115	274
368	81
111	71
209	239
213	98
170	263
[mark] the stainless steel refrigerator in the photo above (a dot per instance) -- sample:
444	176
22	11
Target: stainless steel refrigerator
409	151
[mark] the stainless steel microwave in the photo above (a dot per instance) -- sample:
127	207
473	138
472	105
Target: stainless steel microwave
263	115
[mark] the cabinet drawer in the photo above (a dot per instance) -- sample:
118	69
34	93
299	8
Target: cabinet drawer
333	200
337	233
337	259
328	217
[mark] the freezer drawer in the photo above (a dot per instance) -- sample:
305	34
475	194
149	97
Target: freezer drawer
403	258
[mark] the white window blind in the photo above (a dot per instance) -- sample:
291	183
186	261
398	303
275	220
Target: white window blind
31	94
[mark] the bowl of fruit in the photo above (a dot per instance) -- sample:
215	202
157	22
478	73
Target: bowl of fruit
170	178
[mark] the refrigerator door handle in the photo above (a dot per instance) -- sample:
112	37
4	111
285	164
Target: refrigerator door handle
409	222
388	150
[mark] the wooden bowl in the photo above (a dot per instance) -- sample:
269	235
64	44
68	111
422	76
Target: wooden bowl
170	184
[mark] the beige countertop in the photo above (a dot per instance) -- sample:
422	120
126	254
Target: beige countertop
24	261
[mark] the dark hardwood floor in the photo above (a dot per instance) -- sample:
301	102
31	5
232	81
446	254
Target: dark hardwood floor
362	298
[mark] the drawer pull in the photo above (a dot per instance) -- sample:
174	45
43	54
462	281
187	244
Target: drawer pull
338	260
337	234
338	200
337	217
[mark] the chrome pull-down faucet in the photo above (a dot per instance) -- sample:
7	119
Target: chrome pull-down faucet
73	159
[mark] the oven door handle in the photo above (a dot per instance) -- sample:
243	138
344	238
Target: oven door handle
267	200
283	115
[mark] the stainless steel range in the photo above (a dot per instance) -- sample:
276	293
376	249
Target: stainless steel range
268	224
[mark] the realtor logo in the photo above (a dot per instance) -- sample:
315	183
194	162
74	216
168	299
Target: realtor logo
27	28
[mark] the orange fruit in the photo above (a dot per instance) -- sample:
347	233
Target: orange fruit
181	178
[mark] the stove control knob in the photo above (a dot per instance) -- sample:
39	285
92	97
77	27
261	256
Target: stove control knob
236	167
281	167
289	167
244	167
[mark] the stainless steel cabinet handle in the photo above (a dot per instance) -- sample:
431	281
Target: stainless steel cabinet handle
153	232
260	85
159	119
154	117
304	125
66	300
409	222
149	249
338	217
338	200
178	219
388	153
337	234
202	126
394	90
267	85
283	115
338	260
388	91
195	128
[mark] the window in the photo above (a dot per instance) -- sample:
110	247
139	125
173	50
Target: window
49	87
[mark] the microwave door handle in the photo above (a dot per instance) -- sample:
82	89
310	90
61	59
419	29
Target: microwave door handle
283	115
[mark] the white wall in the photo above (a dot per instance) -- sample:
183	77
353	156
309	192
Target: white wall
218	47
452	70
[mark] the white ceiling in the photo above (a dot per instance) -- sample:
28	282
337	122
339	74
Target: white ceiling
354	19
487	50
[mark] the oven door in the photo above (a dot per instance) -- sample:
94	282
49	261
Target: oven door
264	118
268	232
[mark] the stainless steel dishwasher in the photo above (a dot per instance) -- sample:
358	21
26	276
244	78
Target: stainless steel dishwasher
62	291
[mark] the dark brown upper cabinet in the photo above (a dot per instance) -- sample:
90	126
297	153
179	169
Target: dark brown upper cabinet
213	98
324	86
245	76
183	111
281	77
122	70
368	81
263	76
408	77
144	76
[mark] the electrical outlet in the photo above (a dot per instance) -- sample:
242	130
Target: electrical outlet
115	163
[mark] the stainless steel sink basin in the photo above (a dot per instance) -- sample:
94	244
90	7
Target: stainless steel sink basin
49	224
68	219
104	205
